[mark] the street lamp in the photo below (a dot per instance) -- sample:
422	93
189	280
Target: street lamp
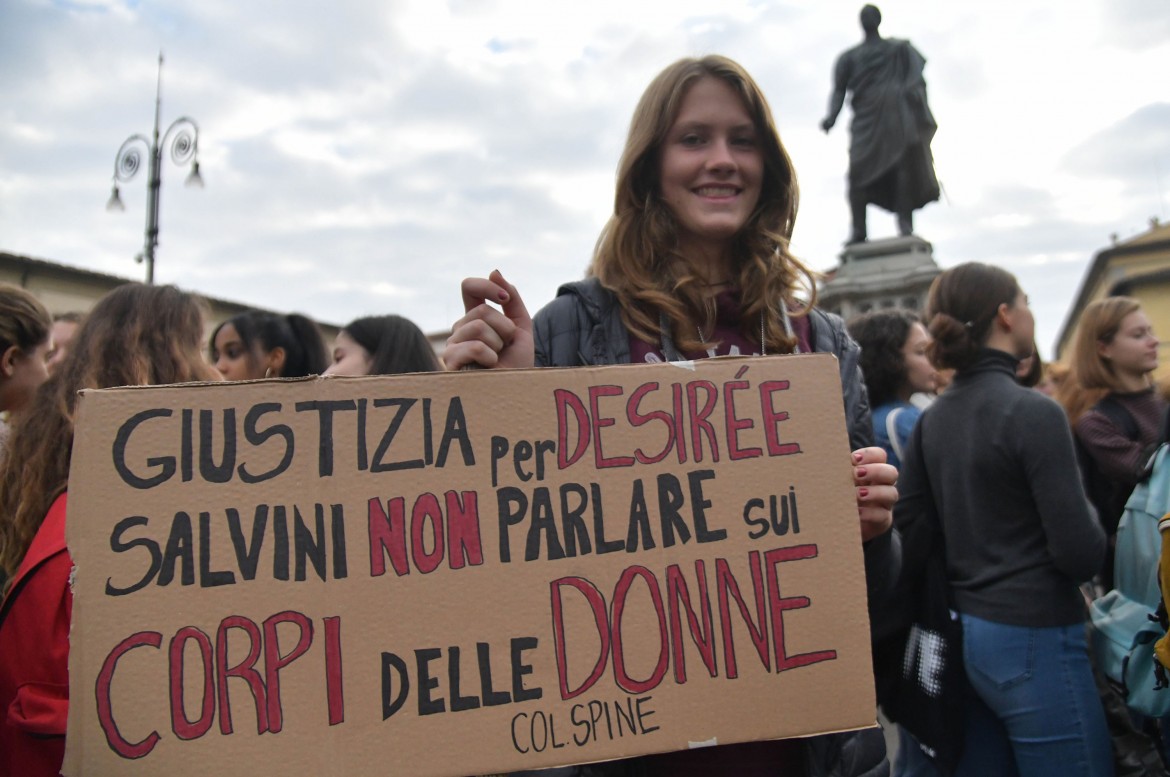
183	139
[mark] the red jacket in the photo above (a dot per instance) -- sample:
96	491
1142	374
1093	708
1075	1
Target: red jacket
34	644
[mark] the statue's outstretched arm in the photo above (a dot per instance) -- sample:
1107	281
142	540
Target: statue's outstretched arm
837	98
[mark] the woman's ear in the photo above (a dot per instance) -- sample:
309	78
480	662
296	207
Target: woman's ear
1003	316
8	360
274	361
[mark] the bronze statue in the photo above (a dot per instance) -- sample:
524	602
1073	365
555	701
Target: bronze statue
890	163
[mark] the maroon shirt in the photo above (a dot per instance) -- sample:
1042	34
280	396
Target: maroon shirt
728	339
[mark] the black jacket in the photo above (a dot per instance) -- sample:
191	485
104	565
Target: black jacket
583	326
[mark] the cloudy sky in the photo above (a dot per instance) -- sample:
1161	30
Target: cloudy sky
362	156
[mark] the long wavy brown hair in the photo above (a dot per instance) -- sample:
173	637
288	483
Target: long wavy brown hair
638	256
1091	376
135	336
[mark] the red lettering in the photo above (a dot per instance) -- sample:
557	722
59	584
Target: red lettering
772	558
734	424
703	635
621	591
699	415
334	690
105	679
727	585
463	544
184	728
244	670
567	401
772	417
600	616
388	537
637	418
274	661
600	422
426	508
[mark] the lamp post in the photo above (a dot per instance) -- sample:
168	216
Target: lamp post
182	137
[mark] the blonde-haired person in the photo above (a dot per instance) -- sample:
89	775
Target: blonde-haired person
24	350
693	263
1112	403
135	336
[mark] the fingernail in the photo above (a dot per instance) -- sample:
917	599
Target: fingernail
502	296
861	472
857	457
863	492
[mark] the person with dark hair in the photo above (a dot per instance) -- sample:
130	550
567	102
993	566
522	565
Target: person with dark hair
895	365
256	344
136	336
1031	369
382	345
694	262
25	343
65	327
997	464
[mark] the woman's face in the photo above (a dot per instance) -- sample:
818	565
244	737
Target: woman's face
234	361
712	166
1134	349
920	373
349	358
24	372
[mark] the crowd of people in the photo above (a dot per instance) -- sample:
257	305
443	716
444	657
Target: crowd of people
694	262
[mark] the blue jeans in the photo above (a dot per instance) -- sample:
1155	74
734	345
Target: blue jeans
1036	711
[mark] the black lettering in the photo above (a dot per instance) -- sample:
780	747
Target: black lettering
519	669
699	506
391	661
248	555
308	545
543	521
325	409
118	546
511	505
403	404
603	545
207	578
340	570
280	550
573	520
670	503
458	703
455	429
491	697
166	464
178	550
257	437
639	520
426	705
208	469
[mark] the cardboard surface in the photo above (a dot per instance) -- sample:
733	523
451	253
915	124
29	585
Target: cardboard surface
463	573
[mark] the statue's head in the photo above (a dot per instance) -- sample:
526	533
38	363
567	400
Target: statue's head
871	17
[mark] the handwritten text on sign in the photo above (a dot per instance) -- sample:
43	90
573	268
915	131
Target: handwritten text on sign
464	573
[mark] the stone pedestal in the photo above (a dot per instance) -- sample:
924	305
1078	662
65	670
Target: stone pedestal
889	273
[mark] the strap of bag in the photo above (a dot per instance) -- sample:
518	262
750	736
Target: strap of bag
892	431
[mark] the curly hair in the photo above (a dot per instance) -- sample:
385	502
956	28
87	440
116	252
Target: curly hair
961	308
882	335
638	256
135	336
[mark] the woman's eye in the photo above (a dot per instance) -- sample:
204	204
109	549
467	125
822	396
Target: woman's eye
691	140
746	142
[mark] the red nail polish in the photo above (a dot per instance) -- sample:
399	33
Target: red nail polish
863	492
861	471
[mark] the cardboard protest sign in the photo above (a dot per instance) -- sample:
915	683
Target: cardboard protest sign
456	574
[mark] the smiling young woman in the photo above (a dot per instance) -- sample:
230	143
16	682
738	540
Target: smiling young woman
694	262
